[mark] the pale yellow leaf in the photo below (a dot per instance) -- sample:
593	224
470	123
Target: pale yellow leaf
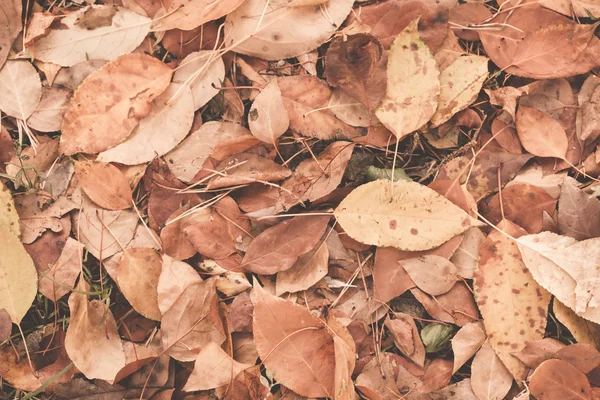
187	15
466	255
405	215
413	84
8	214
268	118
583	331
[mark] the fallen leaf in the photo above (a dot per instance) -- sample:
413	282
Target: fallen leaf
268	118
405	215
104	184
192	321
449	51
433	274
213	368
490	380
538	43
49	113
277	248
306	99
71	77
557	379
10	27
583	331
5	325
39	214
56	281
536	352
540	134
513	306
385	377
350	111
390	280
159	132
406	337
174	277
464	16
308	269
262	29
466	256
92	341
202	72
588	114
110	103
18	285
460	84
582	356
455	306
413	84
138	277
245	168
187	15
437	375
571	279
578	212
293	343
97	32
21	87
357	64
9	219
466	342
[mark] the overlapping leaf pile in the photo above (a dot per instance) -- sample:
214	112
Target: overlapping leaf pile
299	199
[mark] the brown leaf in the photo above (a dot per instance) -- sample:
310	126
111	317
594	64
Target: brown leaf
306	99
245	168
57	281
538	43
456	306
466	256
578	212
92	340
138	274
277	248
437	375
294	343
465	15
386	377
490	380
390	280
104	184
540	134
536	352
175	277
433	274
175	242
5	325
192	321
583	331
514	307
449	51
49	113
308	269
110	103
557	379
21	87
247	385
466	343
406	337
357	64
188	15
581	355
10	23
268	118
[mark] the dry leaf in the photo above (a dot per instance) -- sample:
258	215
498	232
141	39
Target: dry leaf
245	168
92	341
9	219
466	15
174	277
274	31
433	274
10	27
293	343
159	132
413	84
138	277
578	212
268	118
187	15
406	337
201	72
72	77
405	215
104	184
57	280
5	325
390	280
213	368
557	379
582	356
18	285
466	343
357	65
460	84
98	32
308	269
21	89
110	103
37	215
538	351
466	256
566	268
277	248
350	111
583	331
49	113
540	134
513	306
490	380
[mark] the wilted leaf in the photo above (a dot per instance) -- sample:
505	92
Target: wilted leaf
21	89
37	215
187	15
350	111
578	212
433	274
465	15
490	380
104	184
277	248
390	280
583	331
49	113
159	132
405	215
97	32
92	340
213	368
268	118
566	268
274	31
536	352
175	276
513	306
357	64
308	269
540	134
294	343
18	283
582	356
245	168
110	103
201	72
9	219
406	337
460	84
413	84
57	281
466	343
10	27
137	277
557	379
466	256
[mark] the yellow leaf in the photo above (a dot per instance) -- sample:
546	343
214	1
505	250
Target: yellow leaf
8	214
408	216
